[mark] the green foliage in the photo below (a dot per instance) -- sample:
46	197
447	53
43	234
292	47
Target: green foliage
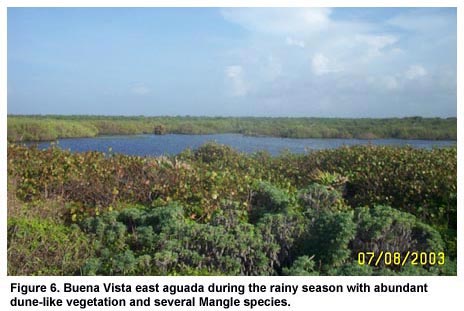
212	152
238	251
167	243
353	268
266	198
418	181
303	266
318	197
330	180
51	127
230	215
449	268
40	247
283	230
328	236
215	211
421	182
383	228
36	129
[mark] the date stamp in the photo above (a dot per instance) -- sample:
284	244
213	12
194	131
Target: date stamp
401	259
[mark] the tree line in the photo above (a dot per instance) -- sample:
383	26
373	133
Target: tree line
52	127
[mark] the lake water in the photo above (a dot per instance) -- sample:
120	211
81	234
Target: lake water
154	145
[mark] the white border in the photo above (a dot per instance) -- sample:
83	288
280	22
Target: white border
445	292
230	3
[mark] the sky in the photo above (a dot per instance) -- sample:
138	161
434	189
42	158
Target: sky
296	62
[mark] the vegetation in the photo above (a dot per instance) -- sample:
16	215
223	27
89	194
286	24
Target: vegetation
37	128
215	211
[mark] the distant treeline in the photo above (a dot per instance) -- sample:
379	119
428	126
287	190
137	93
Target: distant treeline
51	127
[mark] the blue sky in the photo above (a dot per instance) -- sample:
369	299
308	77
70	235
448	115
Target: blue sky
320	62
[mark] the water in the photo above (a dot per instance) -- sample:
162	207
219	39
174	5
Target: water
155	145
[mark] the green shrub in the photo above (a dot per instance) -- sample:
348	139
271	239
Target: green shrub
267	198
318	197
351	268
283	230
170	244
41	247
302	266
383	228
327	238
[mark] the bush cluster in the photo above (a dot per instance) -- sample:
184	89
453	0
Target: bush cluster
216	211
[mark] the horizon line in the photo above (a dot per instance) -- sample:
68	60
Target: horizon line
223	116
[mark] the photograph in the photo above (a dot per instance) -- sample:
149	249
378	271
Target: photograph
231	141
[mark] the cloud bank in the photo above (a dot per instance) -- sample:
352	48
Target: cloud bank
335	64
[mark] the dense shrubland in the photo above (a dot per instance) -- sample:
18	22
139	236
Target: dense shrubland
36	128
215	211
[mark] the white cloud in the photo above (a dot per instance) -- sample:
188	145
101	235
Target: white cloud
294	42
397	81
140	90
234	74
321	65
356	61
415	72
280	21
376	43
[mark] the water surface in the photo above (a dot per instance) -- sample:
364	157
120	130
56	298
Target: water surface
155	145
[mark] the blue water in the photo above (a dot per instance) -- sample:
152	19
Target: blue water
154	145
